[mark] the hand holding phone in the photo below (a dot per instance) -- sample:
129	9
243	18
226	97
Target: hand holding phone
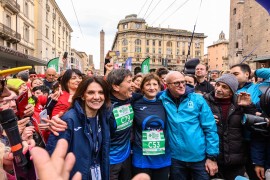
55	86
43	115
22	102
65	55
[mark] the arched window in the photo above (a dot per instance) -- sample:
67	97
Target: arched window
169	44
138	42
236	45
234	11
124	42
239	26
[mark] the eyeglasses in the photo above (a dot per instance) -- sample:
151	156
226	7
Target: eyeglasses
177	83
51	75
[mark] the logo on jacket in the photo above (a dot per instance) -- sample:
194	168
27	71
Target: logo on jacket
142	108
190	105
77	129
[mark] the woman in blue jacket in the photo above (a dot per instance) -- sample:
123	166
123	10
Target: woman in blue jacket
88	133
150	151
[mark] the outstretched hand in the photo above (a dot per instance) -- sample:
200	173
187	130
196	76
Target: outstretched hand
58	166
56	124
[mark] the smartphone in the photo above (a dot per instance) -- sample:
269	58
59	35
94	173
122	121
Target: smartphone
106	62
55	86
22	102
43	115
65	55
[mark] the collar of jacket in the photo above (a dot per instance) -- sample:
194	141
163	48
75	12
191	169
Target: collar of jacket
116	100
177	101
246	85
204	83
211	97
103	111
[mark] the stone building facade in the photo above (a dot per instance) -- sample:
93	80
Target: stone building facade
218	54
53	32
249	33
17	31
165	46
85	61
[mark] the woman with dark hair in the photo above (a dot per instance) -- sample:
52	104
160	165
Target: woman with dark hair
190	80
150	151
69	83
88	132
137	79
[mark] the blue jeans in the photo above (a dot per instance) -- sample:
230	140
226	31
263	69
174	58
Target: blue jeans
181	170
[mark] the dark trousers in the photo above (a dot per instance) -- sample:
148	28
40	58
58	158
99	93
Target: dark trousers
188	170
155	174
230	172
121	171
250	168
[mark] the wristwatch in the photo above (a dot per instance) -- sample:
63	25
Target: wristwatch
212	158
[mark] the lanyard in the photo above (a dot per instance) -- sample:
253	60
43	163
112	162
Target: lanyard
96	138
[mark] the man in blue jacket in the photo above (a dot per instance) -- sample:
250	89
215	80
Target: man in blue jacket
192	131
243	73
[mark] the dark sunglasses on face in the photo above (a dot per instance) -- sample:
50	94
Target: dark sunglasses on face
177	83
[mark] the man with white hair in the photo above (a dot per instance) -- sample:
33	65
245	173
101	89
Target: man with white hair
192	131
49	77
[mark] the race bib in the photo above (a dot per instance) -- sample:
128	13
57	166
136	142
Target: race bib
153	142
95	172
123	116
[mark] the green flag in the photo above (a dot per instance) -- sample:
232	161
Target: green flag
54	63
145	66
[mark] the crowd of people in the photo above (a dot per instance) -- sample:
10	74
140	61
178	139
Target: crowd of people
161	125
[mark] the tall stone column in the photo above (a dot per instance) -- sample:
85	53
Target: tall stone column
102	59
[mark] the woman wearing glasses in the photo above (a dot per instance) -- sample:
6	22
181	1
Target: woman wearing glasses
150	151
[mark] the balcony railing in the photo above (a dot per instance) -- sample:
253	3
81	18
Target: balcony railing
12	5
8	34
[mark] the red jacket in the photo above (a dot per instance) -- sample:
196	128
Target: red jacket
62	105
40	104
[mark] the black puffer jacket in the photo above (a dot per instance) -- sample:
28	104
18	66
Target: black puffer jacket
231	132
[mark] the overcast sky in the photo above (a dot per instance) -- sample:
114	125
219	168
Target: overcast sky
105	14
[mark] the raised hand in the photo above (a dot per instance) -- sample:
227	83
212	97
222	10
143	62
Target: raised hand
243	99
58	166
